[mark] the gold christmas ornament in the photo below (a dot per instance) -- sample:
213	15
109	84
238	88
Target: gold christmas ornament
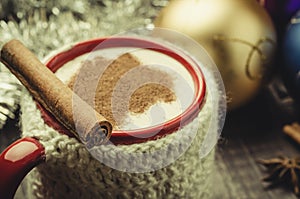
238	35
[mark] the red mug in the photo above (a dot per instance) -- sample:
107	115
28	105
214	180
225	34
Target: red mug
28	152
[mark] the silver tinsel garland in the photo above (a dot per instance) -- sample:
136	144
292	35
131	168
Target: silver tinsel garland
44	26
9	96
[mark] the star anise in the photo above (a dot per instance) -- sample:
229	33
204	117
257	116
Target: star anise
283	170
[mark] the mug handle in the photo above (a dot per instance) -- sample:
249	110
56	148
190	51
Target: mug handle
16	161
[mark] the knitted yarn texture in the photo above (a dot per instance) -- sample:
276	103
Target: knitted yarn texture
71	172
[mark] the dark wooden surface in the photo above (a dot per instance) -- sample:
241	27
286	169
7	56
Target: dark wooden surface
250	133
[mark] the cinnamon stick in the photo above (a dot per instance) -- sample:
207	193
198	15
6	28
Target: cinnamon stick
293	131
56	97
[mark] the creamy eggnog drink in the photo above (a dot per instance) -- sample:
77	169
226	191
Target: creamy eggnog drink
134	90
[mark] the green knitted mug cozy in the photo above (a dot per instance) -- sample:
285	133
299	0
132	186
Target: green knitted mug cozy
71	172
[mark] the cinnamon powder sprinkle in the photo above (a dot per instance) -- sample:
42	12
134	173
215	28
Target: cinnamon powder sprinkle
124	85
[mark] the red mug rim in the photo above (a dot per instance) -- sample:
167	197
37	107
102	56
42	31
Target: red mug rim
144	134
